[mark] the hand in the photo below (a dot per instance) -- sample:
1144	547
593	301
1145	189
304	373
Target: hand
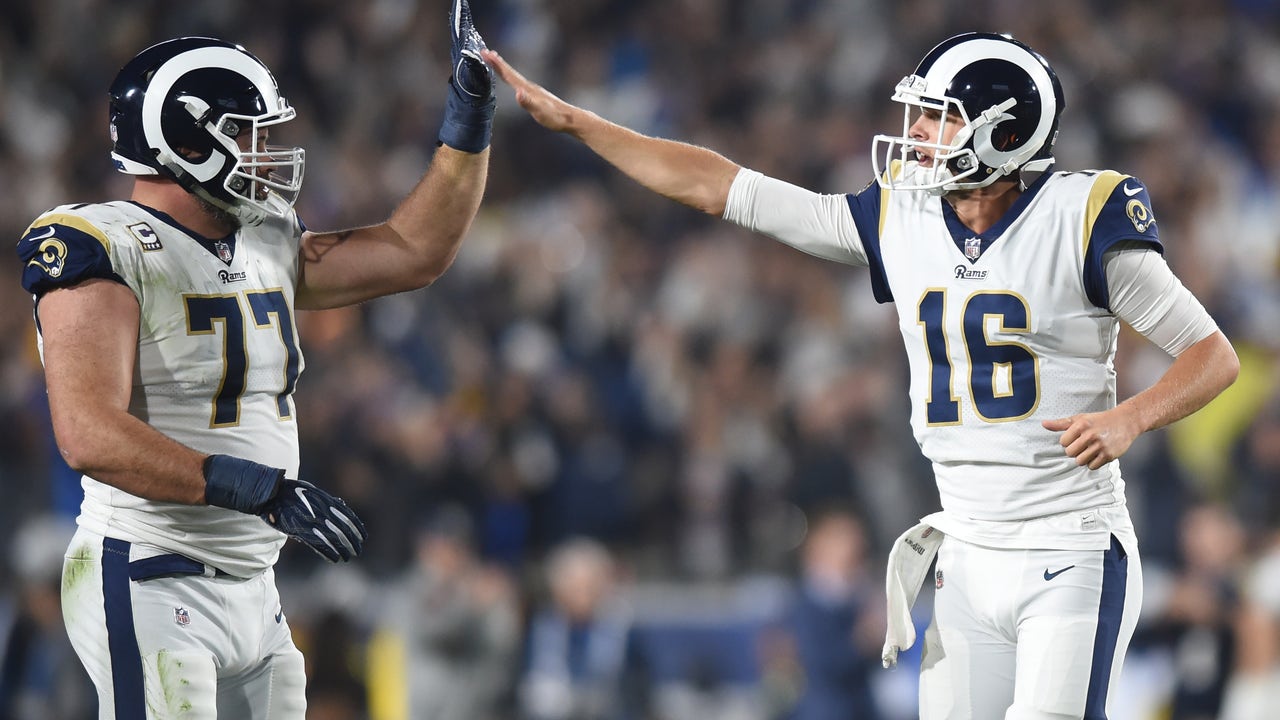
470	74
548	110
1095	439
319	520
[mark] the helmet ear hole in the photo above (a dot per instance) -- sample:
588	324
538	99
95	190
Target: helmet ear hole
1002	139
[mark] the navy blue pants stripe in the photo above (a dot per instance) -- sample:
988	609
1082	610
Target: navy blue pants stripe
122	641
1115	577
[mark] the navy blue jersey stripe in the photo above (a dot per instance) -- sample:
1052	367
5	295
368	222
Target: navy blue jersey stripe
59	255
866	209
122	641
1125	216
1115	576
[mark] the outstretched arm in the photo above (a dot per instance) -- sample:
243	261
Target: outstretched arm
695	176
421	238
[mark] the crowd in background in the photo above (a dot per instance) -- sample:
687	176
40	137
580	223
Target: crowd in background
627	461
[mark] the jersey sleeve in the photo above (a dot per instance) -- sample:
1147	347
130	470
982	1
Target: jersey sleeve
1118	210
812	222
868	206
62	249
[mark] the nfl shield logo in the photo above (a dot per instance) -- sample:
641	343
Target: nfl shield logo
937	579
224	251
972	248
181	616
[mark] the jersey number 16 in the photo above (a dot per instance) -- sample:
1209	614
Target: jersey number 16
1004	376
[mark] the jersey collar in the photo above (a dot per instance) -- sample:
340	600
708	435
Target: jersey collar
972	245
223	248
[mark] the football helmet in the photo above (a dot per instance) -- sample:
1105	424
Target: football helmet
1006	99
195	109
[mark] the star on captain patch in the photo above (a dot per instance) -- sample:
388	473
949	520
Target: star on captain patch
224	251
973	248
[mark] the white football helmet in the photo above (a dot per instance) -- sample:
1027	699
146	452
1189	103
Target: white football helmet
177	109
1004	95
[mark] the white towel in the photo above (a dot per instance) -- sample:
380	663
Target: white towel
909	560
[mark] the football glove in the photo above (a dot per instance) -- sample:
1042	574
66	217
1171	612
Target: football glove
298	509
321	521
468	115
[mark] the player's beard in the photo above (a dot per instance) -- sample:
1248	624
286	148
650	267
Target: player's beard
218	215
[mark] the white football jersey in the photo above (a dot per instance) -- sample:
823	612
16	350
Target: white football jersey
217	363
1004	330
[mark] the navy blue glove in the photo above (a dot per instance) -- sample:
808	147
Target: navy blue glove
468	112
317	519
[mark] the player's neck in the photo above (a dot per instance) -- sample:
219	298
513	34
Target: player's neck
168	197
982	208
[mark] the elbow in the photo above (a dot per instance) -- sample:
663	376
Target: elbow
80	439
427	271
1229	365
78	454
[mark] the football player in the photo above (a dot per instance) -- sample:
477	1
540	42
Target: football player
1011	280
171	355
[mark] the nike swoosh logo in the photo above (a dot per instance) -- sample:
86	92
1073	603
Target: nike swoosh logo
48	234
279	616
1130	192
1051	575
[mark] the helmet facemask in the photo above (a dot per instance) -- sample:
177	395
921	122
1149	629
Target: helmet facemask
951	162
260	180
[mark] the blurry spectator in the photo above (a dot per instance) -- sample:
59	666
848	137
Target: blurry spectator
1254	689
448	638
1193	611
576	648
838	622
335	690
40	677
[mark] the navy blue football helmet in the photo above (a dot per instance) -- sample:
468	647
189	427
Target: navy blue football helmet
195	110
1007	99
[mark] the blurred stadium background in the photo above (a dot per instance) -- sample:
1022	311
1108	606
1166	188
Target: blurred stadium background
625	461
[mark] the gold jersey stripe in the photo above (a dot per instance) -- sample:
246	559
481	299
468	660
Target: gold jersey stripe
72	221
1103	186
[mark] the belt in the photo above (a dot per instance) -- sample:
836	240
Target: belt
157	566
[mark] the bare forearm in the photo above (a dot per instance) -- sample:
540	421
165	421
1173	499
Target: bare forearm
408	251
692	175
122	451
435	217
89	332
1197	376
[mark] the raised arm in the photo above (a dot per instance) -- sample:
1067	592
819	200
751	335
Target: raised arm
695	176
421	238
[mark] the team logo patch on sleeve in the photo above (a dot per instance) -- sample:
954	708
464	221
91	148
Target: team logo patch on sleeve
1139	215
51	257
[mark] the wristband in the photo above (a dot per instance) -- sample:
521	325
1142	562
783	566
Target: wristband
239	484
467	126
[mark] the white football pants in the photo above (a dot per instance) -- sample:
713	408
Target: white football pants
163	636
1028	634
